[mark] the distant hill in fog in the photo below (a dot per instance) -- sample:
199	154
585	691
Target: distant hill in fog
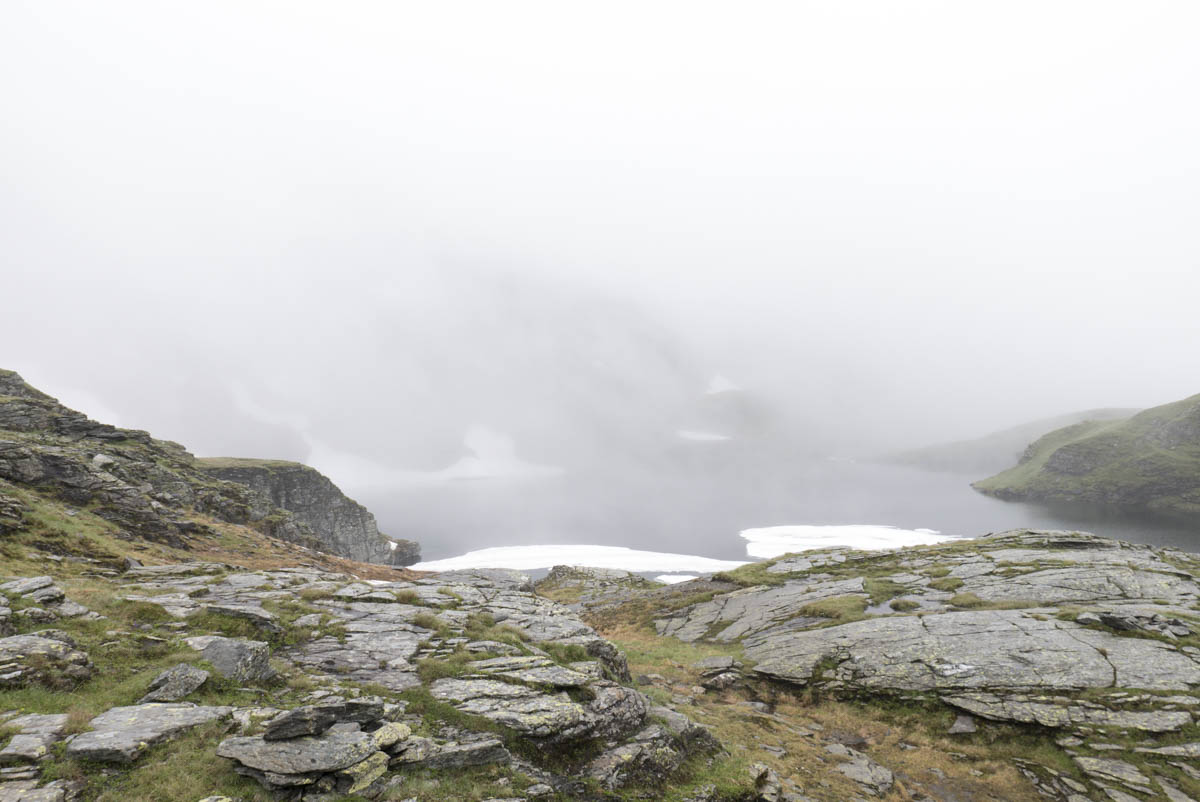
994	452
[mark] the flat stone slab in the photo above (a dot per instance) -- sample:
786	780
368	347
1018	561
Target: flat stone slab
37	734
121	734
1058	713
616	710
381	658
752	610
984	650
532	670
307	755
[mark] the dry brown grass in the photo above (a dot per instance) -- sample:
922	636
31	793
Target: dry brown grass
803	724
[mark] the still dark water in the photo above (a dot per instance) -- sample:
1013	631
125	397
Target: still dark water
701	512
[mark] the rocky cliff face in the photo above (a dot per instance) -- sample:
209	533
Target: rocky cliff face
155	490
1149	461
342	525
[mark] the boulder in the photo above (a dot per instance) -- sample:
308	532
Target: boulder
306	720
175	683
234	658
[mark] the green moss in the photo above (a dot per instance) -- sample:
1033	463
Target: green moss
880	590
753	574
840	608
946	583
904	605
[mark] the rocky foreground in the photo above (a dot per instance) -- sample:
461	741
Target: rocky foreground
1014	666
357	687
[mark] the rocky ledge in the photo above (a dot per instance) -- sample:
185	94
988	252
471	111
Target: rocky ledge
1086	636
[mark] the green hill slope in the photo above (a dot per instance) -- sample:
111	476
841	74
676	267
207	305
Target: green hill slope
1150	461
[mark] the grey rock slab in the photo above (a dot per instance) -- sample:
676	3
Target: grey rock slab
454	755
874	779
1189	750
121	734
487	577
716	663
28	792
175	683
36	734
234	658
752	610
1173	792
27	585
306	720
525	710
980	650
963	725
305	755
531	670
382	658
1060	712
1083	584
1111	770
24	658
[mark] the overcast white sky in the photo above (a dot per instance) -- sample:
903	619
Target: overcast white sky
367	222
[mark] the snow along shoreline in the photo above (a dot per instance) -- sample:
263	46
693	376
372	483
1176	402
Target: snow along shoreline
762	543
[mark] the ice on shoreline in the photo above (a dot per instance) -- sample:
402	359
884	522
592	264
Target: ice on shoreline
768	542
528	558
762	544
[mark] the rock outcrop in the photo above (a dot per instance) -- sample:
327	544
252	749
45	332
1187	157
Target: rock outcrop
155	490
1064	630
342	525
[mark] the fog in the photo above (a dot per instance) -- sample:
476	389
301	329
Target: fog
420	243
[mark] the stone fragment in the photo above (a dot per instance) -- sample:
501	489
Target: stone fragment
1111	770
766	783
963	725
874	779
175	683
306	720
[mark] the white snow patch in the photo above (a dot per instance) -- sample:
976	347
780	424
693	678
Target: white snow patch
674	579
526	558
771	541
689	434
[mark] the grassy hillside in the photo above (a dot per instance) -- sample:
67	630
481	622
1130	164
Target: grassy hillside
1150	461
